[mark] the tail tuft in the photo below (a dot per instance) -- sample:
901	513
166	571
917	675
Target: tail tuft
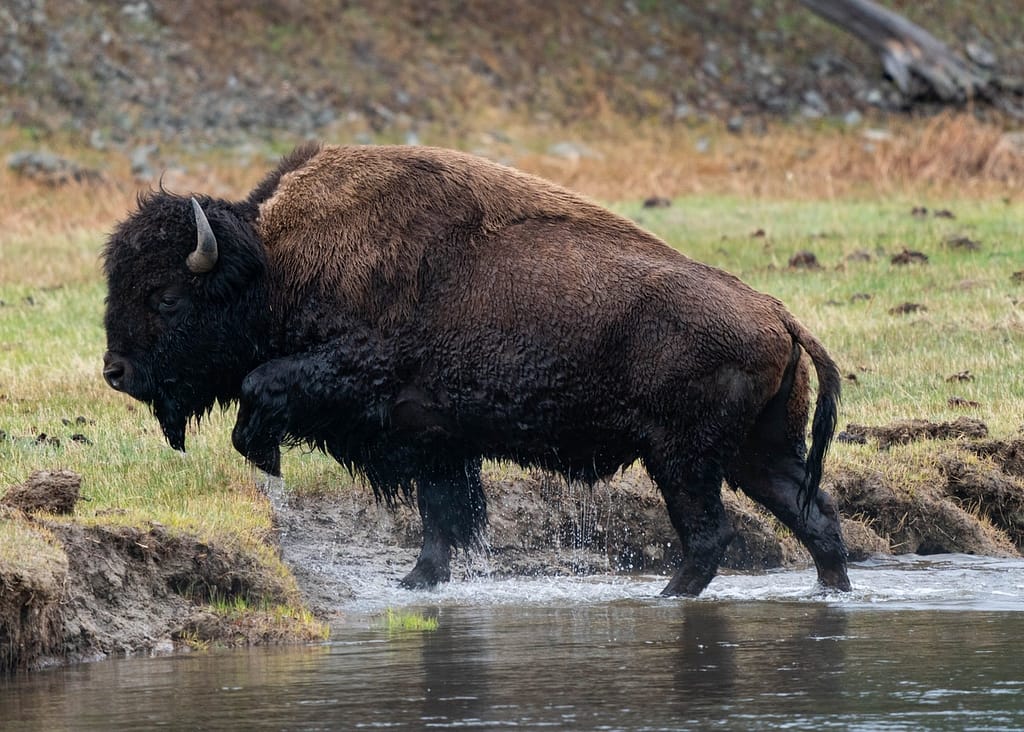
826	410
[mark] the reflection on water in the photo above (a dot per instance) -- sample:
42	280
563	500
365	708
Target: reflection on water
908	651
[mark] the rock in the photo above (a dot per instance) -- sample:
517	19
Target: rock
874	134
49	169
573	151
813	100
141	167
982	54
1006	161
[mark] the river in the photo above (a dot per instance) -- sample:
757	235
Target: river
922	643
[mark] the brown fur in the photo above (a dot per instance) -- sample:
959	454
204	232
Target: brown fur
363	221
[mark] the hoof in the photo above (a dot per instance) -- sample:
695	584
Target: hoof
686	586
424	578
835	579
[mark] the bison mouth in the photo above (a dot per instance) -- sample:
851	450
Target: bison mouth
168	406
179	397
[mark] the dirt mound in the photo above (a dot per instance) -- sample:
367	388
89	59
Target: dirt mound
911	430
1009	456
913	523
96	591
966	496
32	583
48	491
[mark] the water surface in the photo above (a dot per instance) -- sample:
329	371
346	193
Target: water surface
932	643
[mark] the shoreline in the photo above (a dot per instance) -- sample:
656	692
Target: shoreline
99	591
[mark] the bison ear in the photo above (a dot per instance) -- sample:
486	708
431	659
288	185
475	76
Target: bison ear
204	258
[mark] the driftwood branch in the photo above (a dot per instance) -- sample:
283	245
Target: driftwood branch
907	51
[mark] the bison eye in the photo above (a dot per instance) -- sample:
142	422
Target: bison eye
168	303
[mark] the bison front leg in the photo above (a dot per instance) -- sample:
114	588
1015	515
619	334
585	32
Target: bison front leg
260	426
304	397
454	512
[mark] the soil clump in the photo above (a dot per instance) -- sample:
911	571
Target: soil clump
905	431
48	491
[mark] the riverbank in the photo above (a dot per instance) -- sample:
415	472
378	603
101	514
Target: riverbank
76	592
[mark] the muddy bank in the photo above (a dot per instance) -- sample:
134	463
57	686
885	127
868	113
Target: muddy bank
72	592
75	592
965	494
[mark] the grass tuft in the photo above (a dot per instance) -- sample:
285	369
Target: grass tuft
407	621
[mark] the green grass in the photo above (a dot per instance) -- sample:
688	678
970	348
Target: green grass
405	621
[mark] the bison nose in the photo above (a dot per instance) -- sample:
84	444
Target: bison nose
115	370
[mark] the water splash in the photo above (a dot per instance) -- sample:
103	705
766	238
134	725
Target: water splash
953	582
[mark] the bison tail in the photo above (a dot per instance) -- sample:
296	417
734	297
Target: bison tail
826	409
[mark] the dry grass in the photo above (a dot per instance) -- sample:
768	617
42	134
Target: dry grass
29	555
948	155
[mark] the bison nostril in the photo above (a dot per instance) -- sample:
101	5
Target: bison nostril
114	371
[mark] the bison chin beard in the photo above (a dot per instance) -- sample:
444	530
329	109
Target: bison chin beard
173	413
173	420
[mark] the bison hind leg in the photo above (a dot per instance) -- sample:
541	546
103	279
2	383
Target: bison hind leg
692	490
770	467
453	509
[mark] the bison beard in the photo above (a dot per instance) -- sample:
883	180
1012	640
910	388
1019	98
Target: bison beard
414	311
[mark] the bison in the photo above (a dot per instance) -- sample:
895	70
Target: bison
413	311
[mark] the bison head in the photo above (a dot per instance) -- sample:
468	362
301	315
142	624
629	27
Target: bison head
186	306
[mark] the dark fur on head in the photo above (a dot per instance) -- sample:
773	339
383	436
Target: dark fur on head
190	338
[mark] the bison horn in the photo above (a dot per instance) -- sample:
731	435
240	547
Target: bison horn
204	258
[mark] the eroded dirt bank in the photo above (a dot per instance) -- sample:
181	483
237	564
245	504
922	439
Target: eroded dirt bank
93	590
71	592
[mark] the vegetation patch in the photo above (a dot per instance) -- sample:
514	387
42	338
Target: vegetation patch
407	621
